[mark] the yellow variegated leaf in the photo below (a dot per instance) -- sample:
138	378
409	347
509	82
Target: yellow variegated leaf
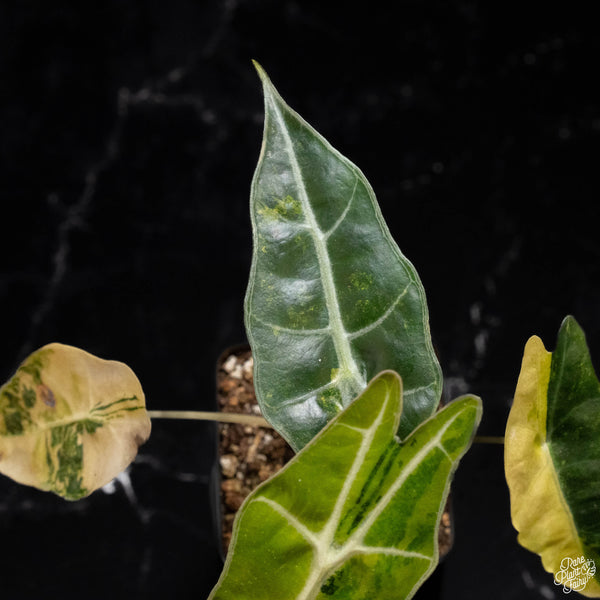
551	459
70	421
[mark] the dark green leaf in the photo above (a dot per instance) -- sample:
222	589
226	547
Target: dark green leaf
331	299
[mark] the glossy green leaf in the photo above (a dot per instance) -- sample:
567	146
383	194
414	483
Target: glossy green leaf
552	459
331	299
69	421
355	514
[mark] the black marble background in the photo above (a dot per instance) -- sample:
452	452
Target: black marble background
129	132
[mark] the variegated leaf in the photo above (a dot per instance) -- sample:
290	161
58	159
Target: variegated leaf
69	421
355	514
552	459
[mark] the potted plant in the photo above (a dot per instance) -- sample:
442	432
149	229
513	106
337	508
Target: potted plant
345	370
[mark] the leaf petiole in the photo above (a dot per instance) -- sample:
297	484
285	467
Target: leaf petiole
195	415
489	439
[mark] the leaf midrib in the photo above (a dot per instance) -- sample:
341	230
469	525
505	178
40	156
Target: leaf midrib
322	541
338	332
43	426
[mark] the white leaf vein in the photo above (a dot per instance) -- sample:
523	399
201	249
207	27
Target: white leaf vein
419	389
312	393
294	522
391	552
346	210
280	328
364	330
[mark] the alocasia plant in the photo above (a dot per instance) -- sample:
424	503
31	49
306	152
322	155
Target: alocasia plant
331	302
331	305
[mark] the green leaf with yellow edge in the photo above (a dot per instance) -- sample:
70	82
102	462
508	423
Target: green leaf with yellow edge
552	459
69	421
331	299
356	513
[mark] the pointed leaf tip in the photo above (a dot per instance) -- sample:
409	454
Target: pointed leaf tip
261	72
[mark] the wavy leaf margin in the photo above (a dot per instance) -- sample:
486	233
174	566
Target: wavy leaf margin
331	300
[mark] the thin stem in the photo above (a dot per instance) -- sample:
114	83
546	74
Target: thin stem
489	439
222	417
256	421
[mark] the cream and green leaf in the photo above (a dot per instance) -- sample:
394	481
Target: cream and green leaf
70	421
355	514
331	300
552	455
